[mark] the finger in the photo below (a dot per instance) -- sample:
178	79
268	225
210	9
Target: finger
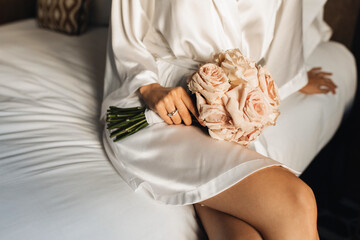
183	111
315	69
176	118
329	84
188	103
161	110
324	74
170	107
195	112
329	81
332	88
323	90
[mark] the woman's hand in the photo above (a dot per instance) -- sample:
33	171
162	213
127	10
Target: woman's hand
319	82
172	104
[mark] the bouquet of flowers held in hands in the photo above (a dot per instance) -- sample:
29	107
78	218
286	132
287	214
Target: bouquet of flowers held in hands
235	98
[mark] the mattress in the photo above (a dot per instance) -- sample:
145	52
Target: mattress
56	181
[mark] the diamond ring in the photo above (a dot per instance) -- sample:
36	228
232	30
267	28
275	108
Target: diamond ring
173	113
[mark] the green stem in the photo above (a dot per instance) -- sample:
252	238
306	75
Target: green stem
122	116
119	115
145	124
127	109
122	122
128	129
118	138
125	121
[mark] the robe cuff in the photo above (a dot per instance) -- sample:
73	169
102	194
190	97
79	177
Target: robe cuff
141	79
294	85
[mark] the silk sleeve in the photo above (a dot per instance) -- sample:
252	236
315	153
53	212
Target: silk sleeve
285	58
315	29
129	63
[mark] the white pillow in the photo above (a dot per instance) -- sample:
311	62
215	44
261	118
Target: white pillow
100	12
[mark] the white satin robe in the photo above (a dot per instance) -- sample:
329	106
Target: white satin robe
163	41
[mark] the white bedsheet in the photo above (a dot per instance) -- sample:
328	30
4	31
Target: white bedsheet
55	179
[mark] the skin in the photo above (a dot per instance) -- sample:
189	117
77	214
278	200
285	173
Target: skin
165	100
271	204
319	82
219	225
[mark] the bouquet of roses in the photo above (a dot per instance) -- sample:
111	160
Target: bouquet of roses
236	99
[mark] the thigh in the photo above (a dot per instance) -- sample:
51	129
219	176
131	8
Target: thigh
222	226
267	198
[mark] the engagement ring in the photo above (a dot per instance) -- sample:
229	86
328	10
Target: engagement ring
173	113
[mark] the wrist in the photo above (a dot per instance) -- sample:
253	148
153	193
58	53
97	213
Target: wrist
143	90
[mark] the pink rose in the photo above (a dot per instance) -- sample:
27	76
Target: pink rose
213	116
268	86
226	134
258	109
250	136
234	101
249	109
235	135
211	82
246	138
238	68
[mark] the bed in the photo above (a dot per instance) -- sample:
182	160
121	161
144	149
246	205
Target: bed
56	181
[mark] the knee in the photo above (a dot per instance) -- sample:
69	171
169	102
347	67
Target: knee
300	203
295	213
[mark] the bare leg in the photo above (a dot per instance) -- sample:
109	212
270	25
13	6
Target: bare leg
274	201
222	226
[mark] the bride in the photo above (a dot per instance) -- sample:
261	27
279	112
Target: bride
238	192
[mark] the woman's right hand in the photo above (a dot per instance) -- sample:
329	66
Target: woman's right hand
165	101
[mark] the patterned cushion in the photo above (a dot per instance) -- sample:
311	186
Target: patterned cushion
68	16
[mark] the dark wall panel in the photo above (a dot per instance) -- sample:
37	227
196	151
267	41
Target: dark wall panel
12	10
342	15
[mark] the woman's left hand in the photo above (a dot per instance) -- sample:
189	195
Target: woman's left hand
319	82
